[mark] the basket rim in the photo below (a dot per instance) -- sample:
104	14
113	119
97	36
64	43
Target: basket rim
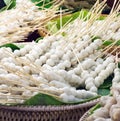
85	115
49	108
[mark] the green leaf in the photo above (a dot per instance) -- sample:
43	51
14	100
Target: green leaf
118	42
12	46
102	17
103	92
46	99
109	42
107	83
43	4
12	5
48	5
97	106
7	2
106	43
56	22
9	5
83	14
51	25
86	100
119	64
35	1
38	39
104	89
43	99
71	17
2	9
94	38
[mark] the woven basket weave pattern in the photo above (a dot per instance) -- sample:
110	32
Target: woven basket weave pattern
85	116
44	113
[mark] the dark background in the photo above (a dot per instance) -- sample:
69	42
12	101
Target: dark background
2	4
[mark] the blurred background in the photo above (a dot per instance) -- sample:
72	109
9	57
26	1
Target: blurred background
75	5
80	4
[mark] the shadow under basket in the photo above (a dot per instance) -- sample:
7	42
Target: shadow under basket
45	113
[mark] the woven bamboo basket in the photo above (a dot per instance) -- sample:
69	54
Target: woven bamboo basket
45	113
85	116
